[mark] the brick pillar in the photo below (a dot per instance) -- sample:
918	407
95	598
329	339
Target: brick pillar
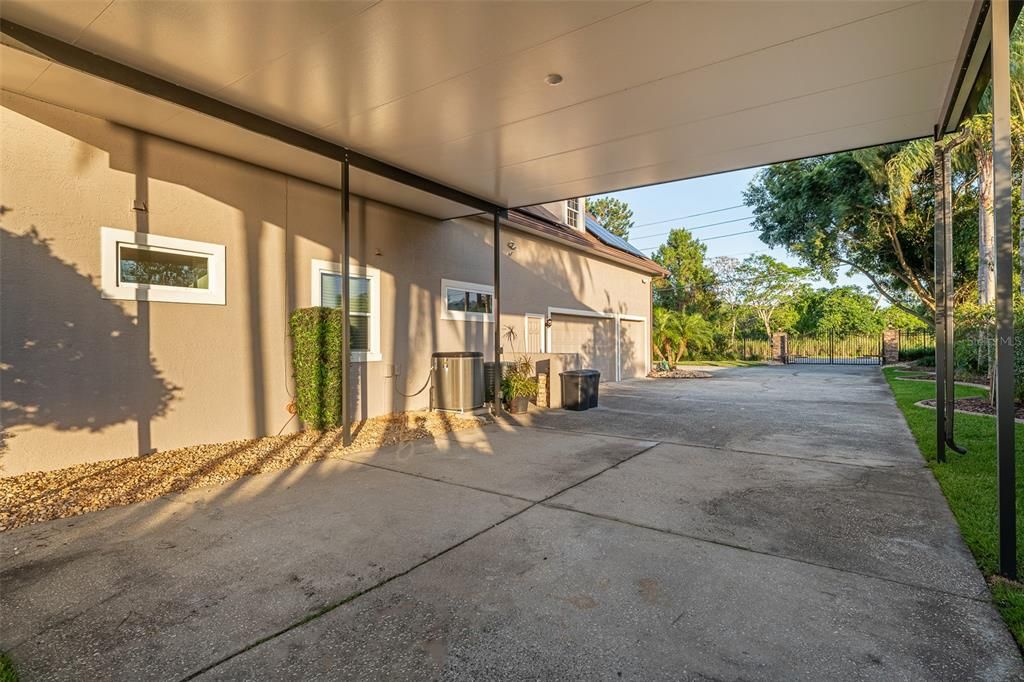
890	346
779	346
542	389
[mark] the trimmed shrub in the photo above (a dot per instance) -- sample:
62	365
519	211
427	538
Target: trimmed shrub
317	366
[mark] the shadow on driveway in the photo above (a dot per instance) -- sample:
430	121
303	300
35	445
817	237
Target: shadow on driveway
762	524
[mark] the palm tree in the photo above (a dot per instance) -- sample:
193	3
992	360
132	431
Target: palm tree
694	331
674	333
665	334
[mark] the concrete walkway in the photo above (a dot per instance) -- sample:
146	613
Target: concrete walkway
768	523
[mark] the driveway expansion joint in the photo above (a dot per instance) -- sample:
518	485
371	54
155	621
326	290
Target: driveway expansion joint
722	448
983	598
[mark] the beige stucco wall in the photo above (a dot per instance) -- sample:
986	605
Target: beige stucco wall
86	378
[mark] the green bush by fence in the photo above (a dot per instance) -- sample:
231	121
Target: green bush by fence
317	366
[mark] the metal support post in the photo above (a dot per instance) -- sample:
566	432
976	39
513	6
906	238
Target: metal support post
346	323
1003	380
940	301
496	312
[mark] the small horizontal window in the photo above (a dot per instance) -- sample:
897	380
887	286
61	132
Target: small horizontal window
467	301
162	267
147	267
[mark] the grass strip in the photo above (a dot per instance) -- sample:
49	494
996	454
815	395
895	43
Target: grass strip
969	484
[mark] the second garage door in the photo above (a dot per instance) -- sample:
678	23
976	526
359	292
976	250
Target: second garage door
632	349
592	337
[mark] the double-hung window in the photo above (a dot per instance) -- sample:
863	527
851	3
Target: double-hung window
139	266
467	301
572	213
364	304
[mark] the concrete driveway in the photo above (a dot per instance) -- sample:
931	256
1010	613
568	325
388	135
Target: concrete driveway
768	523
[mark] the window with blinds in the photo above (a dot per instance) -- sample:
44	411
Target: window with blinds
364	304
360	312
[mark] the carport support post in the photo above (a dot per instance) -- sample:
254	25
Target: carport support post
947	296
1003	380
940	300
496	312
346	322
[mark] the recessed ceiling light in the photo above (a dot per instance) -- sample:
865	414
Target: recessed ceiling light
553	78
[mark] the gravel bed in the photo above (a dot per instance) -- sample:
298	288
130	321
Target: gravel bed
43	496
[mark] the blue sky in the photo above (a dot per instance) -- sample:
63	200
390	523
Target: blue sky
659	208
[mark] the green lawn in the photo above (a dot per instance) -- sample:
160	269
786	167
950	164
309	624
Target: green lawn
7	671
969	484
722	363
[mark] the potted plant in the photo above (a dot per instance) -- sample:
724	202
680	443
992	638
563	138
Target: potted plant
518	386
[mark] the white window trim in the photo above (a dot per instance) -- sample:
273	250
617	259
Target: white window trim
110	280
459	315
372	274
526	330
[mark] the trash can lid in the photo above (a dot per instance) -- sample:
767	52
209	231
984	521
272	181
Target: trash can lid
459	354
580	373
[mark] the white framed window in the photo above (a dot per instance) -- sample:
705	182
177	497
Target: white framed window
138	266
466	301
364	304
573	209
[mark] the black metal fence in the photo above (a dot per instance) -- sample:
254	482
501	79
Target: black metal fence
915	345
834	349
752	349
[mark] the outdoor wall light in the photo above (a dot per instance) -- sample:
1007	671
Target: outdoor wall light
547	322
553	78
511	246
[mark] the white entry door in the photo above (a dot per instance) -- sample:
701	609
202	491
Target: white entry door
534	333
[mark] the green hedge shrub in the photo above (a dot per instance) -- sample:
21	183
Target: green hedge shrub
317	365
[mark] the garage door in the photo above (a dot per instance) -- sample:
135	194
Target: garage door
592	337
632	349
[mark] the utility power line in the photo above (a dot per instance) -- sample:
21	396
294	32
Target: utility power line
708	239
693	229
692	215
723	236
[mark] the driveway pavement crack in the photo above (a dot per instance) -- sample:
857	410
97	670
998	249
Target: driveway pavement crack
355	595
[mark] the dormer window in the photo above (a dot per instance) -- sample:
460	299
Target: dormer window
572	213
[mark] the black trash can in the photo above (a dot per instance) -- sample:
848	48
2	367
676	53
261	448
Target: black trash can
579	388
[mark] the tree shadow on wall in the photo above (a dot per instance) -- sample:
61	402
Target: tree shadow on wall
70	359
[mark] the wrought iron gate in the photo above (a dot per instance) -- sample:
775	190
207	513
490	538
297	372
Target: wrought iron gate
834	349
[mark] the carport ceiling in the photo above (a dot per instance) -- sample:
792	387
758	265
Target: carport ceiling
456	91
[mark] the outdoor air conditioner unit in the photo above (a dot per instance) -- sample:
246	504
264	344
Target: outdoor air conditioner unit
457	381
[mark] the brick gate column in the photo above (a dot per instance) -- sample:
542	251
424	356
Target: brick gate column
779	346
890	346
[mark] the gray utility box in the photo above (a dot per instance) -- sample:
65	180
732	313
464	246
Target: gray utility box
580	388
457	381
